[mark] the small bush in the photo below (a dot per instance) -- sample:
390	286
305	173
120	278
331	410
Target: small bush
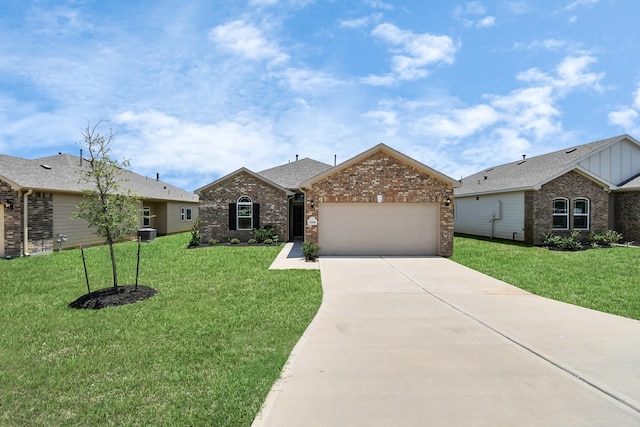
195	233
234	241
264	233
551	239
607	238
214	241
611	237
252	241
571	242
310	250
268	241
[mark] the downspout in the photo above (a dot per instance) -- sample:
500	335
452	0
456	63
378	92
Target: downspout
26	221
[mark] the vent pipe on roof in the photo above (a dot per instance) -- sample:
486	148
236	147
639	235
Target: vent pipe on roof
296	157
157	176
524	157
335	159
81	157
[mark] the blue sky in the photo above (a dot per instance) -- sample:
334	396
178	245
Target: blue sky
198	89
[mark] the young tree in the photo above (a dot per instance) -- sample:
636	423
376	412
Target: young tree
106	206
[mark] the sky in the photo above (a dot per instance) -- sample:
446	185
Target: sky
195	90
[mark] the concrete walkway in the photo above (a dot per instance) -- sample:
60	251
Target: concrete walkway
292	258
427	342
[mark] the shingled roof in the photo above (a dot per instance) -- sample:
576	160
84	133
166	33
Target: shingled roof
531	173
292	174
63	173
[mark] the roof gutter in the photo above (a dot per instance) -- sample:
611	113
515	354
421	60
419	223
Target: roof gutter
26	221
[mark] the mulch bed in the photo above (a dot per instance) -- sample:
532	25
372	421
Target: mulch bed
208	245
111	297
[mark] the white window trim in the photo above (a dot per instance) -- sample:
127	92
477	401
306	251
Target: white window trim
553	207
146	216
244	201
588	214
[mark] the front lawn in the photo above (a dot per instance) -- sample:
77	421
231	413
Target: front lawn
205	350
602	279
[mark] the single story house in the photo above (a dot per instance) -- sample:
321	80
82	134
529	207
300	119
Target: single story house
587	188
38	198
380	202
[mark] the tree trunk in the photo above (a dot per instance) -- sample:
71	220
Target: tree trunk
113	264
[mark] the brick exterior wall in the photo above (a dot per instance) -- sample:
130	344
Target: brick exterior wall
40	224
627	215
215	200
12	221
397	181
572	185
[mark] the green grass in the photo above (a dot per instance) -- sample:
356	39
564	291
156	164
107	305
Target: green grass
205	350
607	280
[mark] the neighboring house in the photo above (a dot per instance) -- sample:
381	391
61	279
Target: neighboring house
380	202
39	197
587	188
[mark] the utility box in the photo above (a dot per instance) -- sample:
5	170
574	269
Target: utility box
147	234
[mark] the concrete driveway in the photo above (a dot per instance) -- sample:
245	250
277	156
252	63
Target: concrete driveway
427	342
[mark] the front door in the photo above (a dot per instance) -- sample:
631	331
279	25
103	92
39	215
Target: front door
298	220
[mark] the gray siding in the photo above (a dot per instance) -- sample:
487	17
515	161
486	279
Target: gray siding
474	216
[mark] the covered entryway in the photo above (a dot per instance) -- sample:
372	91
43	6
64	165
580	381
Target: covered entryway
379	228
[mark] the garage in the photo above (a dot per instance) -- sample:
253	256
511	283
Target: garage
379	228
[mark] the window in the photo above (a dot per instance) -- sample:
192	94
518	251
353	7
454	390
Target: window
146	217
560	214
185	214
581	214
244	209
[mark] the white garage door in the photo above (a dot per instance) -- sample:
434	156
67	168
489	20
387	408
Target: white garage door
378	228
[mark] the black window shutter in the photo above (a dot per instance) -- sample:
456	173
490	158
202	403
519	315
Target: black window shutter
256	215
232	216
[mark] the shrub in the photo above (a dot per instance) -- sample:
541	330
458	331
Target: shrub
234	241
607	238
551	239
252	241
214	241
195	233
571	242
264	233
310	250
268	241
611	237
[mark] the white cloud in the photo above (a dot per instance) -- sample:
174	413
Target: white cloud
473	14
486	22
210	149
459	123
360	22
377	4
636	99
627	116
571	73
308	81
413	52
577	3
248	41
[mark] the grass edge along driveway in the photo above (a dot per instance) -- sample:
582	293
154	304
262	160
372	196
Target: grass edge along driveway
606	279
204	351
